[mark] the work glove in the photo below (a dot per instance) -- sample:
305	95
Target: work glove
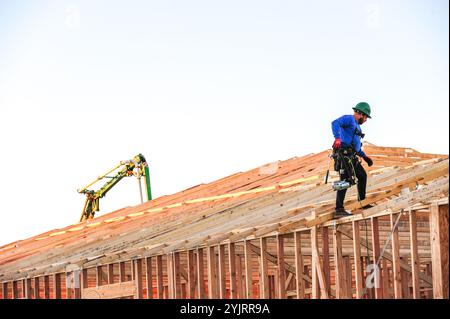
368	160
337	143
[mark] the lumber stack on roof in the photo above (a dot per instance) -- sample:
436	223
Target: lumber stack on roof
276	198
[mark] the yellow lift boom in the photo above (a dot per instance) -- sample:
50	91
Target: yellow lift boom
135	167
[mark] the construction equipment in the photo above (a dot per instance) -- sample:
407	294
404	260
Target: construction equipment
137	167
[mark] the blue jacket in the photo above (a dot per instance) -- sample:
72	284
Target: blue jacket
346	128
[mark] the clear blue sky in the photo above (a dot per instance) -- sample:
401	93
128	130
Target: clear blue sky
203	89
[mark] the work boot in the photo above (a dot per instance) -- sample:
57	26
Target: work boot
341	212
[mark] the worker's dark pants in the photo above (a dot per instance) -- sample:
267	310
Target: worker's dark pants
362	181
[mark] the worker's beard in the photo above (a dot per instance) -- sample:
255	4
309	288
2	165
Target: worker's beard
360	121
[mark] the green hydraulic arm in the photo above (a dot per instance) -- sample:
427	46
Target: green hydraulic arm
137	166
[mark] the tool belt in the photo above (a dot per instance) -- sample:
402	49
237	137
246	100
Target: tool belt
345	161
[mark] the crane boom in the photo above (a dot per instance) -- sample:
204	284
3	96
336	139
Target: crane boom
137	166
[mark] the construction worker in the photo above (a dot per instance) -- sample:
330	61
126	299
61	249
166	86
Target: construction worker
347	144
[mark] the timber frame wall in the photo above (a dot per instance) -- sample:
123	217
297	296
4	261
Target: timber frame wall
308	263
292	249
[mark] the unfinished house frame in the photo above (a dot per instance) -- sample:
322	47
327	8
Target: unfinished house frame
265	233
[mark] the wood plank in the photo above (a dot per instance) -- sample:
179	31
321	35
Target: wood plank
264	274
281	271
428	293
170	275
84	281
326	258
348	276
57	286
149	277
338	265
5	290
69	285
439	250
76	284
46	287
376	256
15	290
213	289
191	275
122	276
27	288
357	260
272	287
299	281
200	275
307	283
98	275
177	275
137	270
232	270
396	258
405	284
37	294
222	273
321	289
415	262
159	277
110	268
315	288
288	283
240	285
248	270
386	278
113	291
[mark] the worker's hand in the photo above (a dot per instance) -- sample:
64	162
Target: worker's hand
368	160
337	143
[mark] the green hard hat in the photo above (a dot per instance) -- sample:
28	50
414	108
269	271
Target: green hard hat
363	107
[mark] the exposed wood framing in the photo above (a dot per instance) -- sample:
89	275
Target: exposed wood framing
232	270
280	267
113	291
264	272
396	259
137	277
15	290
149	277
319	284
240	285
338	265
248	270
122	276
27	288
326	258
57	286
177	275
159	277
213	284
439	249
357	260
415	262
376	257
110	268
254	219
5	290
222	273
200	274
191	269
299	281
